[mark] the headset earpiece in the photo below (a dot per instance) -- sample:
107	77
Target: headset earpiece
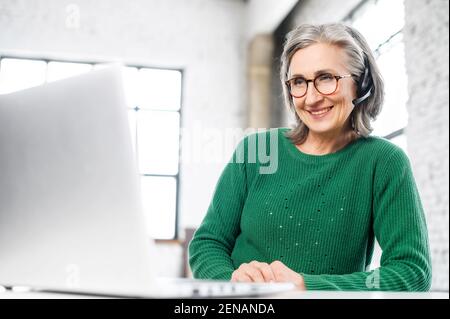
365	84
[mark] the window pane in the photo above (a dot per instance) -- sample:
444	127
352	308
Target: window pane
62	70
158	142
19	74
159	204
388	16
394	114
159	89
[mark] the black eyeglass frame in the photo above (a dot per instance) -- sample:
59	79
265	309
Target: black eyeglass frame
337	77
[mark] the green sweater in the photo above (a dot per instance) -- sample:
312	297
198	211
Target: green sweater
318	214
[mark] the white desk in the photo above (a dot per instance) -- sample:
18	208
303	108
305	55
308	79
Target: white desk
361	295
288	295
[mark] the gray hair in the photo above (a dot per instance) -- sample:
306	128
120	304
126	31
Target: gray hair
356	48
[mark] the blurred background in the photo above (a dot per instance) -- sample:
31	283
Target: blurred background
198	73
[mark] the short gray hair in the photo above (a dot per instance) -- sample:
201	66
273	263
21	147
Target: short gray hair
357	49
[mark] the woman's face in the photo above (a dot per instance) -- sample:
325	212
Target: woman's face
323	114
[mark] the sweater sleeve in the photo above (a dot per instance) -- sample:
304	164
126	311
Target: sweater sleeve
400	228
212	244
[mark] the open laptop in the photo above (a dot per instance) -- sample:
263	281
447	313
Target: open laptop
70	208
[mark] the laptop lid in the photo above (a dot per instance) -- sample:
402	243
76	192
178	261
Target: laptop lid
70	215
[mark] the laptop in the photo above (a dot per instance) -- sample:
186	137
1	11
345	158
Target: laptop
70	210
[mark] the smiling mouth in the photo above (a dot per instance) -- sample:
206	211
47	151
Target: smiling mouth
321	111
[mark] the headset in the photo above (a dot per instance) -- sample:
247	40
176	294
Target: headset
365	84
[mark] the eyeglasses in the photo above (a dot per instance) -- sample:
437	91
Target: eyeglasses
324	83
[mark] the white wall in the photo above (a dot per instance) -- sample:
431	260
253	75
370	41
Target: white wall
264	16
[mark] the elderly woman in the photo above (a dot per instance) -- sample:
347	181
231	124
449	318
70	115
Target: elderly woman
314	220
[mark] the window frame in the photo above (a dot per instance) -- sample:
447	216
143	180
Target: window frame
349	18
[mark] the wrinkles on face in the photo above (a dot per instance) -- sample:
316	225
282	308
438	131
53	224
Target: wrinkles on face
311	107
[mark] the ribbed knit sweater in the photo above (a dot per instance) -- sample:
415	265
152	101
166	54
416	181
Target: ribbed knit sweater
318	214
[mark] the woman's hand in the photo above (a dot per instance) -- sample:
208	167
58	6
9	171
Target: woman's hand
254	271
283	273
262	272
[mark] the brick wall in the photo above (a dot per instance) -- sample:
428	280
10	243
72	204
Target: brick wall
427	53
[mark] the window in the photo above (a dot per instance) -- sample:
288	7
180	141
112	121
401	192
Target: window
153	97
381	22
386	41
